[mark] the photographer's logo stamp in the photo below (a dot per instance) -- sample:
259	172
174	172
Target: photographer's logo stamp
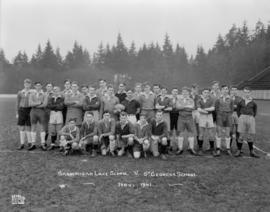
17	199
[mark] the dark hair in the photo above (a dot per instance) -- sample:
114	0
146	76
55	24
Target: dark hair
206	89
38	82
123	113
129	89
156	85
110	86
106	111
67	80
214	82
246	88
49	83
224	86
146	84
159	111
194	86
102	80
84	86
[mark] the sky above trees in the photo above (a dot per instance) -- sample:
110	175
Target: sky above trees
24	24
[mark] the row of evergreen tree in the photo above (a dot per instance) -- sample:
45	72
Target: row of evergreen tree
235	56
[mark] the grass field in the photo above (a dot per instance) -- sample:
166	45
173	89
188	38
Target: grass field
219	184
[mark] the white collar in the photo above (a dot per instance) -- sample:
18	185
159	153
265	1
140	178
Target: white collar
91	97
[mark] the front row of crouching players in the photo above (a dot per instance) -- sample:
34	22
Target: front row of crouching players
116	138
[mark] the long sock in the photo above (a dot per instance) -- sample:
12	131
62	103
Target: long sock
233	137
22	137
228	142
53	138
239	145
46	136
29	137
218	142
180	141
163	149
95	146
88	147
130	149
212	144
191	142
33	137
42	137
250	145
200	144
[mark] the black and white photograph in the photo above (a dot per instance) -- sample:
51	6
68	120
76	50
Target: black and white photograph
134	105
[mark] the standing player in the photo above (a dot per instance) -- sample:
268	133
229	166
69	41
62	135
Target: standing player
247	110
147	101
102	90
23	113
56	106
195	113
49	92
66	91
215	94
236	100
224	110
38	102
159	136
132	107
137	95
109	102
185	105
74	101
137	91
121	93
156	90
174	113
84	90
207	129
92	103
163	103
106	132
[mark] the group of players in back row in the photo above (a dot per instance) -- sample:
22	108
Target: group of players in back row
135	122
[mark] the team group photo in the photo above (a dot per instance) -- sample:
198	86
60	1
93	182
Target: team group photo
132	105
135	121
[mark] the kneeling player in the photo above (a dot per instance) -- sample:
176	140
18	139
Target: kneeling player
88	132
70	137
247	109
142	138
124	135
159	138
106	131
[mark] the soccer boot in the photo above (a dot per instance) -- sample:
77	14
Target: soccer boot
20	147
